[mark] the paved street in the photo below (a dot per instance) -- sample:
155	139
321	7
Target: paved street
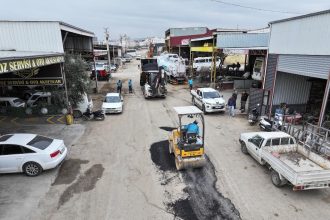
120	169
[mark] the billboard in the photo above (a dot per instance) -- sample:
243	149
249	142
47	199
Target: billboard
37	76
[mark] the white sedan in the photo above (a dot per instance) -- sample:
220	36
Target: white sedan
30	153
113	103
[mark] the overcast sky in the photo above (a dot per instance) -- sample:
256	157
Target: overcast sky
144	18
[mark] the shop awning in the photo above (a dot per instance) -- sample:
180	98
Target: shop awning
242	40
202	49
13	61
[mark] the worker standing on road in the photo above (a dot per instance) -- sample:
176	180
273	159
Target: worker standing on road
235	96
244	98
119	85
130	86
231	106
190	82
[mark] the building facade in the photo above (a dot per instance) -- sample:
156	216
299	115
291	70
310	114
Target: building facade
298	64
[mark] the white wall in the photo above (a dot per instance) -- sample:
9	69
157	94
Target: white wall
308	36
31	36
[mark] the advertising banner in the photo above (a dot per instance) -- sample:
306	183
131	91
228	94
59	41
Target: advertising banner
38	76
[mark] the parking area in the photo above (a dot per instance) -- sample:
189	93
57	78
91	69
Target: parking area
19	192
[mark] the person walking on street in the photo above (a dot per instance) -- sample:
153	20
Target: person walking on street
244	98
119	85
130	86
190	82
235	96
231	106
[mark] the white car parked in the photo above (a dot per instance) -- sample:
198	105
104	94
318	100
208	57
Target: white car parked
113	103
30	153
208	99
11	102
205	62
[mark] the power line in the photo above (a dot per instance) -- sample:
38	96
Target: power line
253	8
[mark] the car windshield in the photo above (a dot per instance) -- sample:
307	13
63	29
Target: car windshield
5	137
40	142
34	97
257	66
112	99
18	101
257	140
211	95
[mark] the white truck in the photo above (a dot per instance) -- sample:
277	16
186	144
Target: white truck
288	161
174	67
208	99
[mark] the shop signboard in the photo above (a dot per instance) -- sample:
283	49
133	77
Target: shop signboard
37	76
28	63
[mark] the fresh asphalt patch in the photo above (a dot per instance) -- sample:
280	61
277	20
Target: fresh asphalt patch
204	201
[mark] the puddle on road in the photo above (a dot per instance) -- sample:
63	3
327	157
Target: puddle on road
204	201
69	171
84	183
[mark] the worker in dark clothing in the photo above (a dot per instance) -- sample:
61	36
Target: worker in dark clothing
244	98
235	96
231	106
119	85
130	86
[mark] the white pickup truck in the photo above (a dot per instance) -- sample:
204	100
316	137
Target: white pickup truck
289	161
208	99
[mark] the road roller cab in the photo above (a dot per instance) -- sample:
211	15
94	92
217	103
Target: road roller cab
185	143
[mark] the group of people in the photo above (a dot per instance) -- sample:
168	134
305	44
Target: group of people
232	102
120	85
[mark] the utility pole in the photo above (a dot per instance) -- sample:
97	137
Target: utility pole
107	42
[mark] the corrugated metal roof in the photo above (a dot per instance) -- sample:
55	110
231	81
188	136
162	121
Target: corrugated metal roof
175	32
242	40
63	24
311	66
301	16
301	36
31	36
13	55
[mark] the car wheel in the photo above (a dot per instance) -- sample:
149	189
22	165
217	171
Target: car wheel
276	180
32	169
77	114
243	148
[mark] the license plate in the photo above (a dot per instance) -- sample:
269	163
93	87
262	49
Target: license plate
62	150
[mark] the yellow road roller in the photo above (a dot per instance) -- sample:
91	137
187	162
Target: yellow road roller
187	141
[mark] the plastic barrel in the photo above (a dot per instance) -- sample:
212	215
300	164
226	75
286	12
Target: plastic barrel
69	119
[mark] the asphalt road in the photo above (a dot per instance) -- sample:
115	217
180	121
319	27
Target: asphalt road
120	169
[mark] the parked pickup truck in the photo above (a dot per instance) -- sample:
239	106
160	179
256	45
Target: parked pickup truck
289	161
208	99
